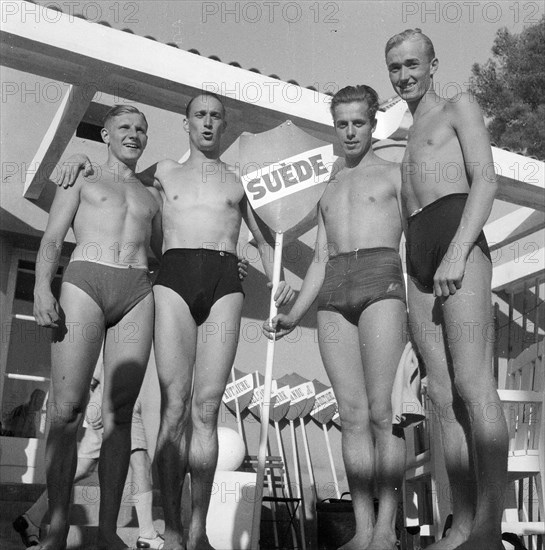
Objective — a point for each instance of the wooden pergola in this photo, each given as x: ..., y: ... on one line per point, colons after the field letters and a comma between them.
x: 94, y: 58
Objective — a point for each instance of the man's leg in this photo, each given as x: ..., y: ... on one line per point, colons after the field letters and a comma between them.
x: 426, y: 328
x: 216, y: 349
x: 141, y: 477
x: 470, y: 334
x: 74, y: 353
x: 381, y: 329
x: 340, y: 351
x: 126, y: 355
x: 175, y: 348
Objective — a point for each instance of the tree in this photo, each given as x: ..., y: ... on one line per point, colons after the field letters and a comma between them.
x: 510, y: 88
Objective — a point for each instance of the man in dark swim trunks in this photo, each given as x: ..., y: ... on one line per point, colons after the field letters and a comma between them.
x: 198, y: 305
x: 105, y: 292
x: 357, y: 276
x: 198, y: 298
x: 448, y: 189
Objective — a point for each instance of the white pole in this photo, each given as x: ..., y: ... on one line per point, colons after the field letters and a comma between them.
x: 297, y: 468
x: 332, y: 464
x: 237, y: 409
x: 309, y: 460
x: 266, y: 404
x: 283, y: 457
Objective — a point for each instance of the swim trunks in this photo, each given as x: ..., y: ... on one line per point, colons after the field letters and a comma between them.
x: 200, y: 277
x: 116, y: 290
x: 429, y: 234
x: 91, y: 442
x: 355, y: 280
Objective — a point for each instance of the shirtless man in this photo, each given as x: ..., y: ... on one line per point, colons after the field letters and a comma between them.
x: 198, y: 301
x: 448, y: 186
x: 356, y: 275
x: 106, y: 293
x: 198, y: 306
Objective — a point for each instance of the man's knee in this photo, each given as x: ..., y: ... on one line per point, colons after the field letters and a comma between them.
x: 65, y: 413
x: 205, y: 411
x: 440, y: 390
x: 354, y: 417
x: 380, y: 415
x: 175, y: 411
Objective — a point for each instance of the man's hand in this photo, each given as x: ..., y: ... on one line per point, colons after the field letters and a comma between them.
x: 242, y: 268
x: 284, y: 293
x: 449, y: 275
x: 279, y: 326
x: 67, y: 173
x: 46, y: 309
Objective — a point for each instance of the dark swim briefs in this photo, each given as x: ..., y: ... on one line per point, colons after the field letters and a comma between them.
x: 429, y: 234
x: 200, y: 277
x: 355, y: 280
x: 115, y: 290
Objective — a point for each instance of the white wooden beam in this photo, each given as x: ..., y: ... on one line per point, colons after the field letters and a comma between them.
x: 60, y: 132
x: 523, y: 267
x: 71, y: 42
x: 515, y: 225
x: 521, y: 179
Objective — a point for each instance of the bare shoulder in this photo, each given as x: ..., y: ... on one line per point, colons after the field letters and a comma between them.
x: 167, y: 165
x: 335, y: 177
x: 232, y: 173
x: 338, y: 166
x: 230, y: 169
x: 462, y: 109
x: 389, y: 171
x: 164, y: 173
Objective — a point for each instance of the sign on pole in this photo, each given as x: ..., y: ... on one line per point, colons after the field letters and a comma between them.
x: 284, y: 173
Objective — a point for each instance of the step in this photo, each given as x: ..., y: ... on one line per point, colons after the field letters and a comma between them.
x: 83, y: 537
x: 80, y: 537
x: 80, y: 514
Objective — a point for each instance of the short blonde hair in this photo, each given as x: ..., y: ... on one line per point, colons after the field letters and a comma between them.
x: 411, y: 34
x: 118, y: 110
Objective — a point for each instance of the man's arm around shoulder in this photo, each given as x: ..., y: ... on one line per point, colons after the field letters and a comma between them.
x: 154, y: 175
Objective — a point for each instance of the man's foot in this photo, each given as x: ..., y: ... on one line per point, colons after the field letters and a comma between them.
x: 30, y: 533
x: 49, y: 544
x: 173, y: 540
x: 450, y: 542
x: 358, y: 542
x: 199, y: 542
x: 110, y: 542
x: 383, y: 542
x: 481, y: 542
x: 156, y: 543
